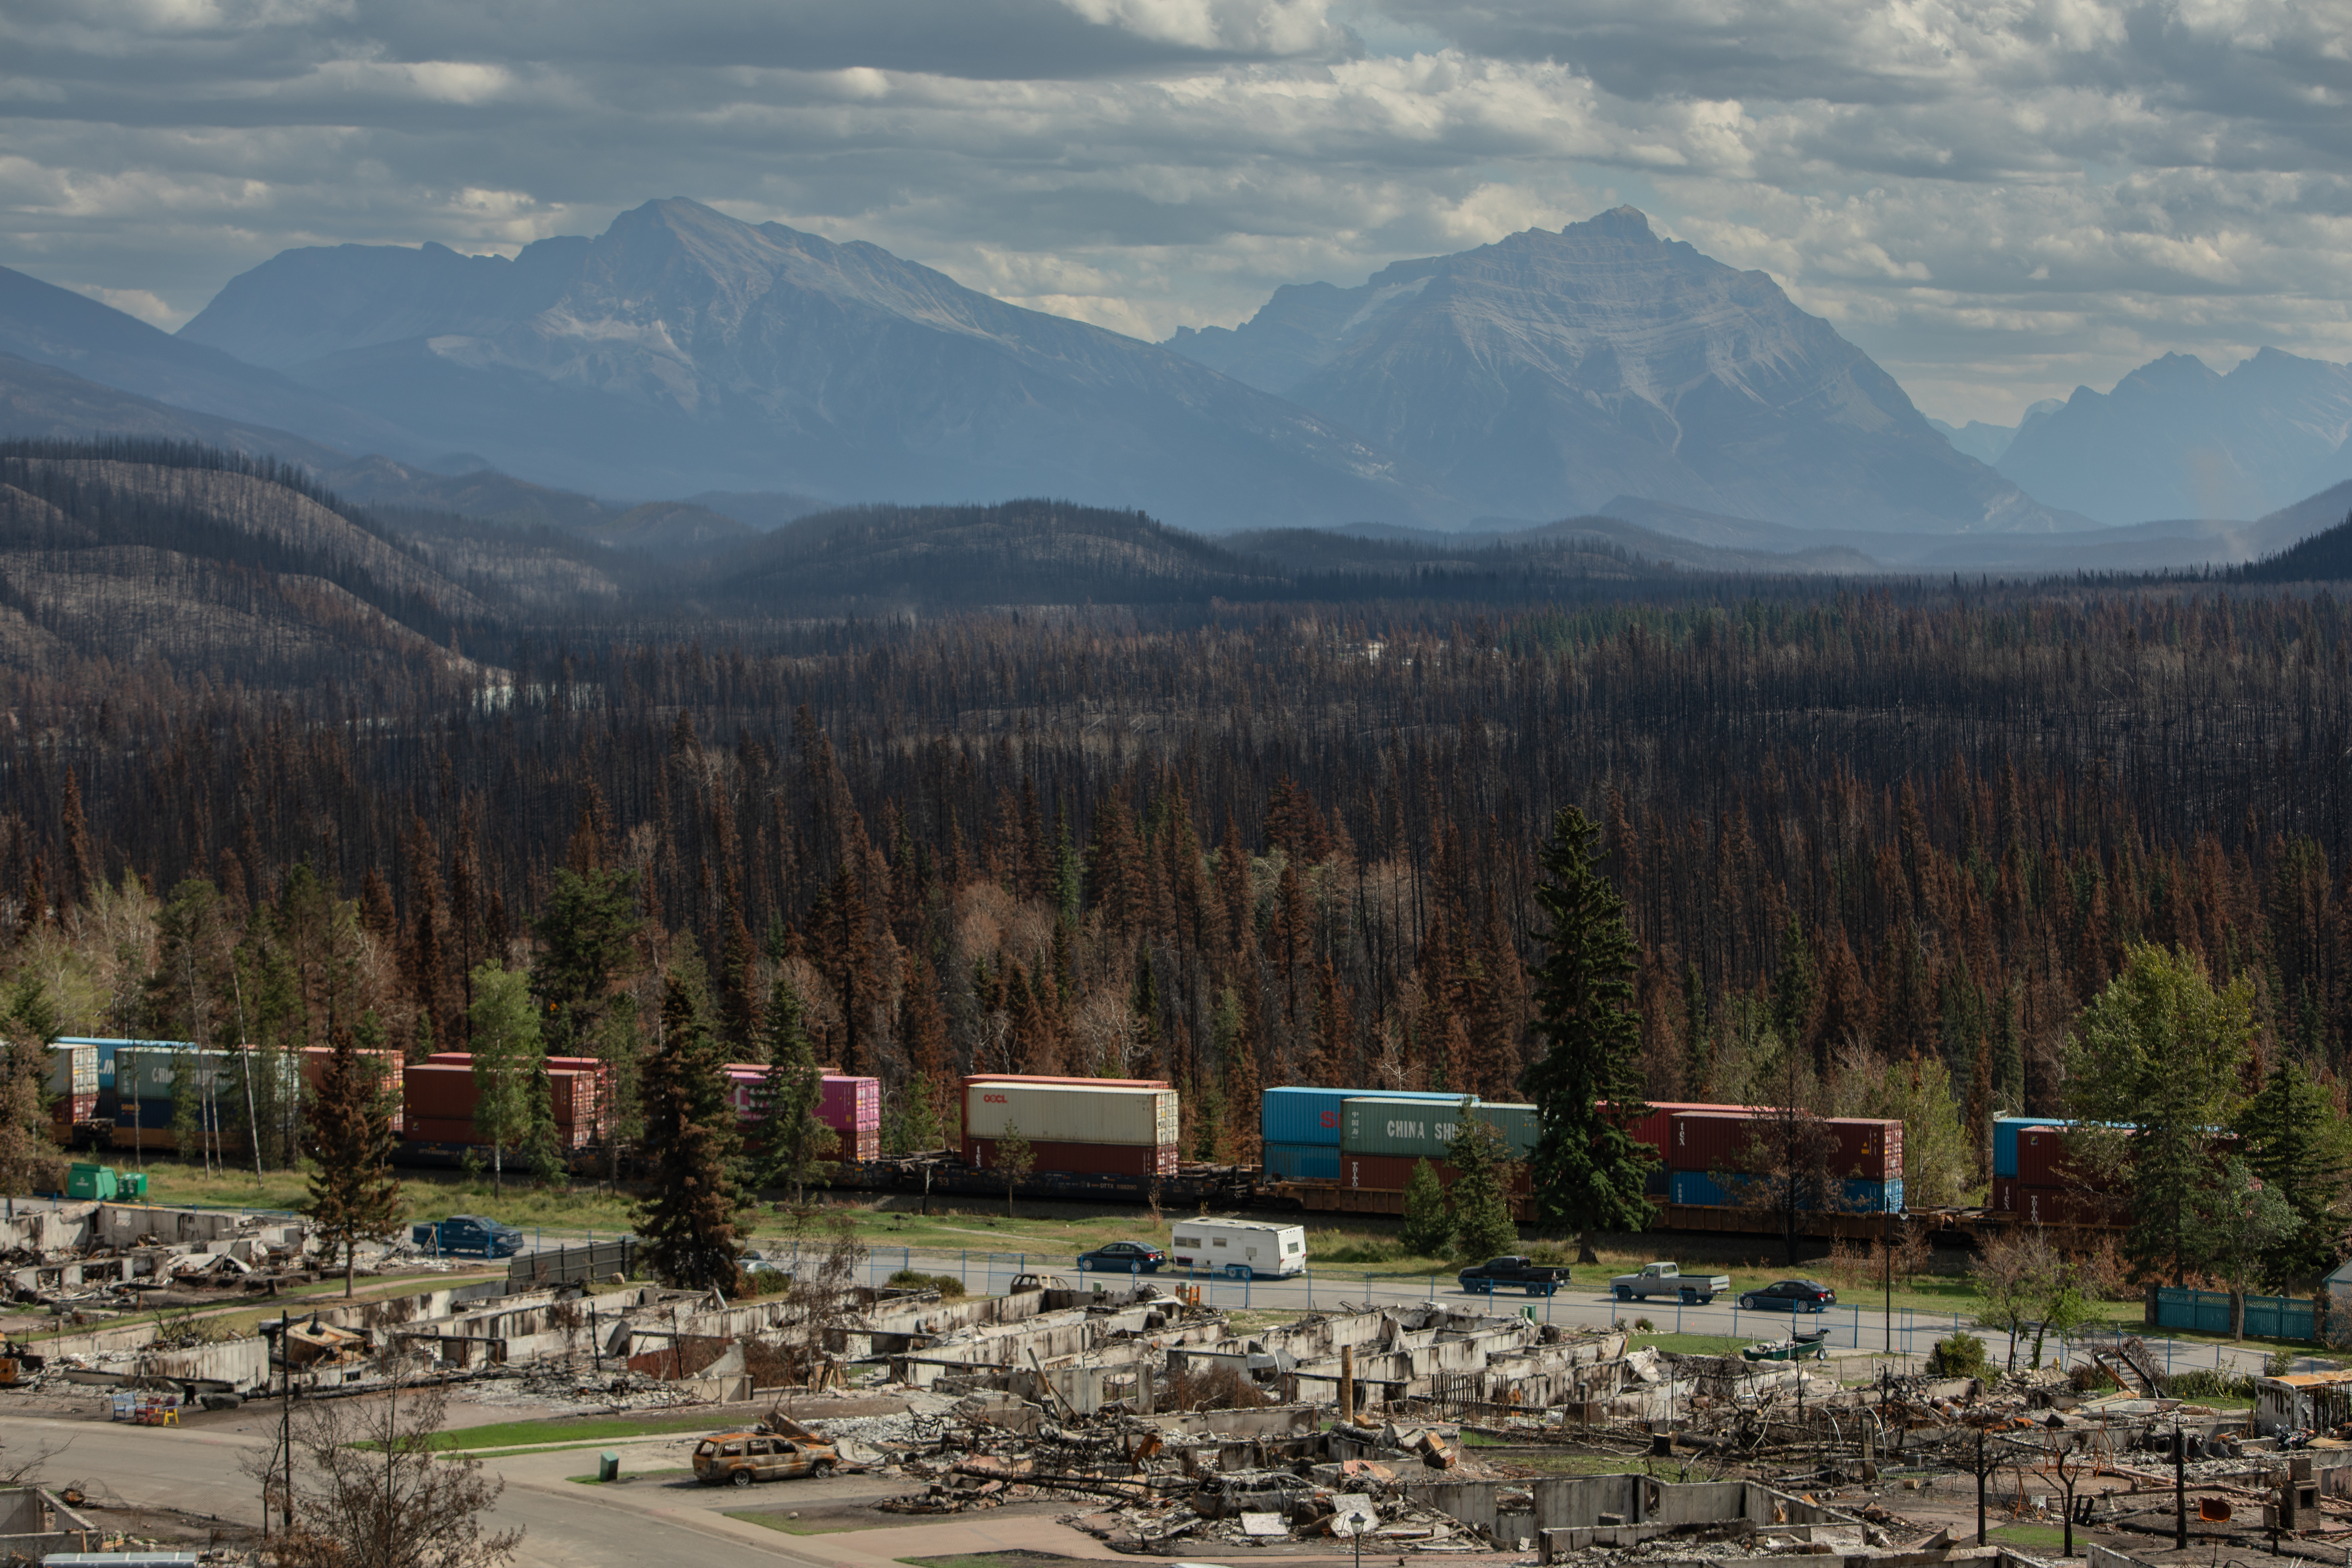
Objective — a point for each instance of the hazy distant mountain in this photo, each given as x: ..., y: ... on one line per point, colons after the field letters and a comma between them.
x: 57, y: 327
x: 682, y: 352
x: 43, y: 401
x: 2175, y: 439
x: 1986, y: 442
x: 1545, y: 373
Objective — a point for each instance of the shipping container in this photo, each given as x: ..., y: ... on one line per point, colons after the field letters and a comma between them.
x: 65, y: 1111
x: 1698, y: 1188
x: 73, y: 1072
x: 2005, y: 1130
x: 2052, y: 1157
x: 388, y: 1066
x: 152, y: 1072
x: 1864, y: 1195
x: 1068, y: 1113
x: 1390, y: 1173
x: 106, y: 1048
x: 973, y: 1078
x: 1303, y: 1117
x: 438, y: 1091
x: 2058, y: 1205
x: 1869, y: 1149
x: 1082, y: 1159
x: 1302, y: 1161
x: 1653, y: 1128
x: 849, y: 1104
x: 1384, y: 1124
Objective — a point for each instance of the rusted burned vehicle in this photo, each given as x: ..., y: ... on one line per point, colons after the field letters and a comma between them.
x: 739, y: 1459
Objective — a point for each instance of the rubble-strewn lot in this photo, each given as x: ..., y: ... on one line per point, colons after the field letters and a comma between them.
x: 1161, y: 1430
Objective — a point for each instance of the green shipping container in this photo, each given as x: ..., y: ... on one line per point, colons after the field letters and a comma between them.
x: 1419, y: 1128
x: 90, y: 1182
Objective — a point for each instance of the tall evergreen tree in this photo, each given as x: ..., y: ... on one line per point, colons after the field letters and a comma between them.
x: 1483, y: 1226
x: 1428, y: 1228
x: 688, y: 1218
x: 1589, y: 1171
x: 27, y: 1028
x: 793, y: 1144
x: 2159, y: 1047
x: 348, y: 1135
x: 2296, y: 1143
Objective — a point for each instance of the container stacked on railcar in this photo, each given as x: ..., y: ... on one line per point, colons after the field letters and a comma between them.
x: 1712, y: 1154
x: 1100, y: 1127
x: 850, y: 1106
x: 2040, y: 1178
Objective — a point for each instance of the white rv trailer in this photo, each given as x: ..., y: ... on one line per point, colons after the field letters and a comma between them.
x: 1238, y: 1248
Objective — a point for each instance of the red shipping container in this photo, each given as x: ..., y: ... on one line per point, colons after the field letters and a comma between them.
x: 2045, y: 1158
x: 440, y: 1130
x: 67, y: 1108
x: 1709, y: 1140
x: 1655, y: 1128
x: 1390, y: 1173
x: 861, y: 1143
x: 452, y: 1058
x: 1871, y: 1150
x: 437, y: 1089
x: 2058, y: 1205
x: 1083, y: 1159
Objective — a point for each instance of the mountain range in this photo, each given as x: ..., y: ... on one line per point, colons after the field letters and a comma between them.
x: 745, y: 375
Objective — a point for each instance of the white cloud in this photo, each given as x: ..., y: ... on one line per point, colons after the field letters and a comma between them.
x: 1997, y: 199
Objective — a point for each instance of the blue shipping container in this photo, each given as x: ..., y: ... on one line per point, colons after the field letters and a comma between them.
x: 1302, y: 1162
x: 1299, y: 1117
x: 1860, y: 1196
x: 2005, y: 1130
x: 1697, y: 1187
x: 1874, y: 1197
x: 106, y: 1049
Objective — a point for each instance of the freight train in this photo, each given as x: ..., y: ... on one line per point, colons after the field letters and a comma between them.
x: 1324, y: 1149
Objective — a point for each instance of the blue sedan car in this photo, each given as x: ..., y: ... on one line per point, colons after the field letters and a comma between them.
x: 1790, y: 1296
x: 1122, y: 1258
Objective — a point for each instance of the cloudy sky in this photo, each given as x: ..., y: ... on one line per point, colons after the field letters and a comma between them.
x: 1997, y: 199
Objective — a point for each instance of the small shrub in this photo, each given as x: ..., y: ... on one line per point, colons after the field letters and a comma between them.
x: 1644, y: 1326
x: 947, y: 1285
x: 2278, y: 1364
x: 1222, y: 1387
x: 1959, y: 1355
x: 909, y: 1279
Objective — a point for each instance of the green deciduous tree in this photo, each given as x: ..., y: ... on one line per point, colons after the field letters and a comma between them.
x: 1428, y: 1229
x: 1589, y: 1171
x: 1483, y: 1226
x: 509, y: 1065
x: 1014, y: 1160
x: 28, y: 1026
x: 347, y: 1125
x: 2160, y: 1048
x: 687, y: 1219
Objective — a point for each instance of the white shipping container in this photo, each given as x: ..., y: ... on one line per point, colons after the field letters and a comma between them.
x: 1238, y: 1248
x: 73, y: 1071
x: 1070, y: 1113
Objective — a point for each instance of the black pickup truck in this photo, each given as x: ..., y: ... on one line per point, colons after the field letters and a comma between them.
x: 1512, y: 1273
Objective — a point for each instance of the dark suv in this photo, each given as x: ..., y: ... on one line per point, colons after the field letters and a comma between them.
x: 1790, y: 1296
x: 468, y: 1236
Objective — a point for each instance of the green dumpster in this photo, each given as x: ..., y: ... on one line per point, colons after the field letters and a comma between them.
x: 131, y: 1184
x: 90, y: 1181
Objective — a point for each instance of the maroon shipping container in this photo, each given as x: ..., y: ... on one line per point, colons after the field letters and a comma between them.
x: 437, y: 1091
x: 1866, y: 1149
x: 2057, y: 1205
x: 850, y: 1104
x: 1083, y: 1159
x: 862, y: 1143
x: 1709, y: 1140
x: 2045, y: 1158
x: 452, y: 1129
x: 1390, y: 1173
x: 1870, y: 1150
x: 1655, y: 1128
x: 68, y: 1109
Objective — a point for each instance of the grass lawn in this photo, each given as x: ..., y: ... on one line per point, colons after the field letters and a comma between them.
x: 790, y: 1523
x: 2038, y: 1535
x: 585, y: 1430
x: 665, y: 1475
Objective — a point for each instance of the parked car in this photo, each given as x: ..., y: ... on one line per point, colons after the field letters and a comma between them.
x: 1512, y: 1273
x: 1668, y: 1279
x: 1122, y: 1258
x: 1790, y: 1296
x: 468, y: 1236
x: 740, y: 1458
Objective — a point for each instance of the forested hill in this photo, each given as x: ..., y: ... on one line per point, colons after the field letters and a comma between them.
x: 2324, y: 557
x: 129, y: 550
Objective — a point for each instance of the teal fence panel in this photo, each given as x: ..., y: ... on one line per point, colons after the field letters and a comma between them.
x: 2208, y: 1312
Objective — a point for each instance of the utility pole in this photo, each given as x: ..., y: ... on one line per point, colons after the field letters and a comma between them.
x: 285, y: 1422
x: 2179, y: 1487
x: 1887, y: 1271
x: 1980, y: 1486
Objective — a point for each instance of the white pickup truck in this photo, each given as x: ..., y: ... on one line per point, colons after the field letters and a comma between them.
x: 1668, y: 1279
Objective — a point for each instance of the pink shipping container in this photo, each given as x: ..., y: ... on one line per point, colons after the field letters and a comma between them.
x: 1082, y: 1159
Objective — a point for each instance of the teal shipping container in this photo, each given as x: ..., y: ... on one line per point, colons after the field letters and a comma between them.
x: 1302, y: 1161
x: 1299, y: 1116
x: 1412, y: 1128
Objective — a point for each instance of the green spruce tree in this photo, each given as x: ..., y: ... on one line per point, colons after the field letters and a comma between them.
x: 792, y: 1146
x: 349, y: 1137
x: 2296, y: 1143
x: 1483, y: 1226
x: 1589, y: 1171
x: 1428, y: 1229
x: 687, y: 1219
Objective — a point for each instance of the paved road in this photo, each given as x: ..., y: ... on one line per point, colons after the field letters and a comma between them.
x: 1861, y: 1325
x: 565, y: 1525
